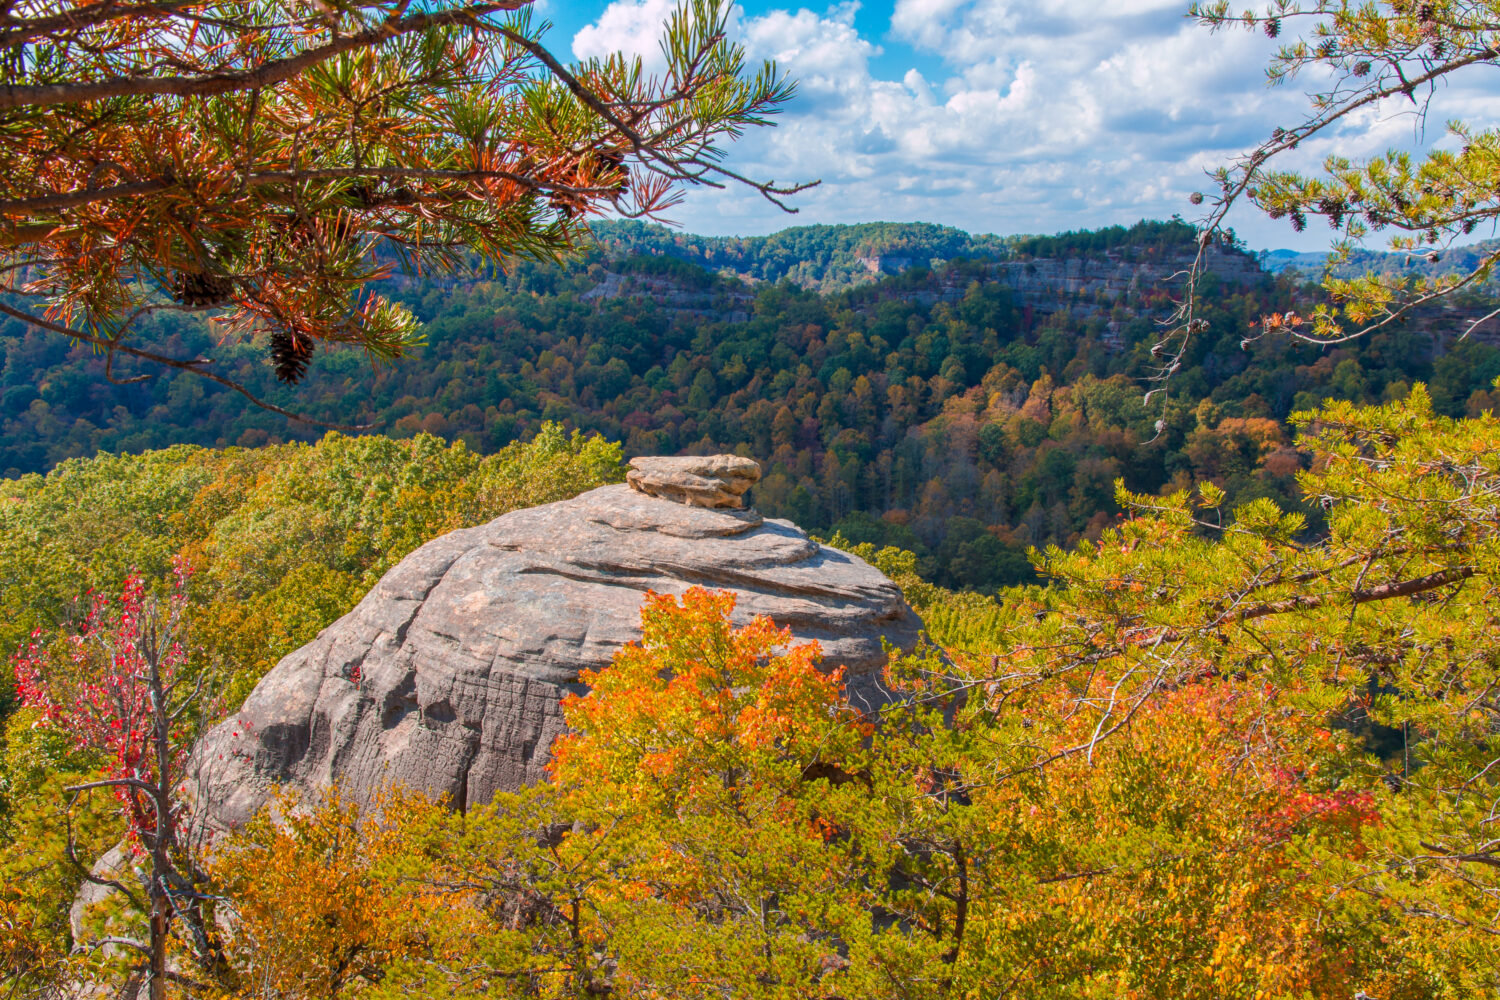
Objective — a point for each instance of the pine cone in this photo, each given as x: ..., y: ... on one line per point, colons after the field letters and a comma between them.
x: 200, y: 288
x: 290, y: 355
x: 613, y: 162
x: 567, y: 203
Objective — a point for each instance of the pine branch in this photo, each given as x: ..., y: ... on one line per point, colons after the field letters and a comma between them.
x: 276, y: 71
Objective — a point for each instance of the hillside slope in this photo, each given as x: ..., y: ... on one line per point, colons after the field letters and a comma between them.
x: 964, y: 412
x: 1456, y: 260
x: 825, y: 258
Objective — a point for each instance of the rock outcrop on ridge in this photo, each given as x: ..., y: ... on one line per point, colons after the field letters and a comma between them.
x: 448, y: 675
x: 712, y: 481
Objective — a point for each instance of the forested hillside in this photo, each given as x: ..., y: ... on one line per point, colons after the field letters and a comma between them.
x: 1135, y: 634
x: 1202, y: 763
x: 1455, y: 261
x: 963, y: 412
x: 1119, y: 782
x: 282, y: 539
x: 823, y: 258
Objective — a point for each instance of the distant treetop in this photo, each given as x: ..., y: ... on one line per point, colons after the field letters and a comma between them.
x: 823, y: 257
x: 1171, y: 235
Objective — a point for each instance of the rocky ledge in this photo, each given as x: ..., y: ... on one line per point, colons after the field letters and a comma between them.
x: 710, y: 481
x: 448, y: 675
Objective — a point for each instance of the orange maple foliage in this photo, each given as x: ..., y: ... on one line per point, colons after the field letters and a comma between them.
x: 695, y: 692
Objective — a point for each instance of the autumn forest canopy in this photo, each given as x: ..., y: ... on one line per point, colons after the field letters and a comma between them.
x: 1205, y: 548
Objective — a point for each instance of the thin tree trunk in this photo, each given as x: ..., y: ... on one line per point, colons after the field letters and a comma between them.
x: 158, y: 974
x: 161, y: 841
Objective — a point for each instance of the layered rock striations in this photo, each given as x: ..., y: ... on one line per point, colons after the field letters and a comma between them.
x: 713, y: 481
x: 447, y: 676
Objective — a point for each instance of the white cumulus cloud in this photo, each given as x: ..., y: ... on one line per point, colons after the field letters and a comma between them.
x: 1010, y: 115
x: 630, y: 26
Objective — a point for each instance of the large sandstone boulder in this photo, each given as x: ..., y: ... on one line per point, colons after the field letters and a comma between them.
x: 447, y: 676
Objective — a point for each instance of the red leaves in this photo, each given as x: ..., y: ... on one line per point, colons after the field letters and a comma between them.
x: 97, y: 685
x: 1329, y: 812
x: 1302, y: 810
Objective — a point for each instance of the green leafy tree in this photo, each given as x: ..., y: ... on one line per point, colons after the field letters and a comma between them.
x: 1366, y: 650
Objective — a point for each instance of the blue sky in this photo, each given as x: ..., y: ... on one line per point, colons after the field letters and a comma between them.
x: 1004, y: 116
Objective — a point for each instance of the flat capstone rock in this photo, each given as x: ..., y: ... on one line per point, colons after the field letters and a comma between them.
x: 707, y: 481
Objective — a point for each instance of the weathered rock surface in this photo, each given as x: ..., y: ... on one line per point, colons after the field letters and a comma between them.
x: 710, y: 481
x: 447, y: 676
